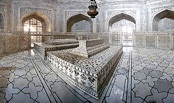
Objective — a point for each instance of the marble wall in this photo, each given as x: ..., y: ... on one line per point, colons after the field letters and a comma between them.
x: 5, y: 15
x: 13, y: 42
x: 145, y: 15
x: 57, y: 12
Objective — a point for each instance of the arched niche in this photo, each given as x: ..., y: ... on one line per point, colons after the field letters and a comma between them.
x: 80, y: 23
x: 166, y: 14
x: 121, y: 17
x: 36, y: 23
x: 46, y: 23
x: 121, y: 27
x: 1, y: 22
x: 127, y: 19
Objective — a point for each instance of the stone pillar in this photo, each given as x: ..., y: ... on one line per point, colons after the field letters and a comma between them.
x: 94, y: 29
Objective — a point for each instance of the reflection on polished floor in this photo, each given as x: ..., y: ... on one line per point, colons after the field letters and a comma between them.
x: 142, y: 76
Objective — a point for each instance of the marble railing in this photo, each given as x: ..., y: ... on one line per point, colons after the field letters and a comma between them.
x: 11, y: 42
x: 160, y: 40
x: 14, y: 41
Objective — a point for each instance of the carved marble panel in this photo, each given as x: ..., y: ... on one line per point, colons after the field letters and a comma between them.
x: 139, y: 40
x: 11, y: 43
x: 24, y: 40
x: 150, y: 41
x: 157, y: 10
x: 27, y: 10
x: 69, y: 14
x: 164, y: 41
x: 90, y: 74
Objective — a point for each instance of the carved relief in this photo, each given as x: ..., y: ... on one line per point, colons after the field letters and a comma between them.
x: 69, y: 14
x: 89, y: 74
x: 164, y: 41
x: 24, y: 42
x: 11, y: 43
x: 150, y: 41
x: 112, y: 2
x: 46, y: 12
x: 157, y: 10
x: 71, y: 4
x: 139, y: 40
x: 111, y: 14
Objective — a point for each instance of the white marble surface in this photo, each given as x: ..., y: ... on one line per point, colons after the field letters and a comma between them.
x: 30, y: 80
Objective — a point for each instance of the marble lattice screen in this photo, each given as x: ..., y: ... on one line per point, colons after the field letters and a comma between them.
x: 159, y: 40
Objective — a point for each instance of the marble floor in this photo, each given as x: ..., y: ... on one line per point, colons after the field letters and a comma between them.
x: 142, y: 76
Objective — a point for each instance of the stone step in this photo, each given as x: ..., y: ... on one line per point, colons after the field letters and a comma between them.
x: 96, y: 50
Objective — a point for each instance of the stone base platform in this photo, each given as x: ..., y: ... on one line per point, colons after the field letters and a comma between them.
x: 91, y: 75
x: 43, y: 48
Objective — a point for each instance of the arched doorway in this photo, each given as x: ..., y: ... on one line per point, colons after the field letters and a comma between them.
x: 79, y: 23
x: 122, y: 25
x: 36, y: 23
x: 163, y: 21
x: 1, y: 22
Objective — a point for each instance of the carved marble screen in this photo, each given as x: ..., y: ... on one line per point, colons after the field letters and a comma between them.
x: 12, y: 43
x: 164, y: 41
x: 150, y: 41
x: 24, y: 41
x: 139, y: 39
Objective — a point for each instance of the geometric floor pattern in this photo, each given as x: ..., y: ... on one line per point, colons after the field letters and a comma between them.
x: 142, y: 76
x: 152, y: 76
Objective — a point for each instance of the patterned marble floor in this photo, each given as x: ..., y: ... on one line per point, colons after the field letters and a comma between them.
x: 142, y: 76
x: 152, y: 76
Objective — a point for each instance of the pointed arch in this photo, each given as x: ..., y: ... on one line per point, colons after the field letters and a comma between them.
x: 39, y: 16
x: 121, y: 16
x: 77, y: 18
x: 122, y: 24
x: 164, y: 14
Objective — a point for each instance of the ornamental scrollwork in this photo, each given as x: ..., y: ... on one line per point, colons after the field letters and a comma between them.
x: 46, y: 12
x: 157, y: 10
x: 69, y: 14
x: 111, y: 14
